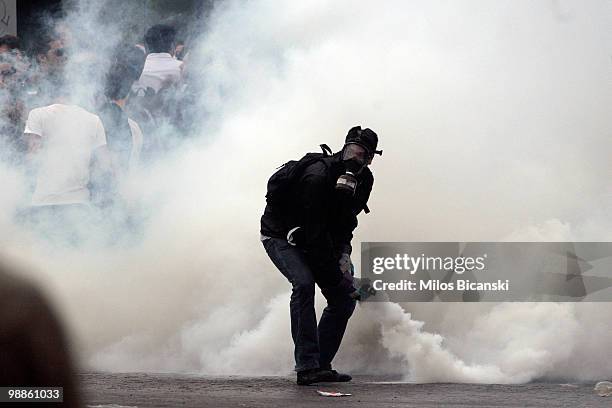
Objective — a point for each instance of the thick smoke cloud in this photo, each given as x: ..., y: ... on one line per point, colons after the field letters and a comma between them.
x: 494, y: 121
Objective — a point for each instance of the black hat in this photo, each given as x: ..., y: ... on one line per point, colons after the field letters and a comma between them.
x: 365, y: 138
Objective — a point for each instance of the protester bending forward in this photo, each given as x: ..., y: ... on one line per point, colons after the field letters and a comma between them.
x: 306, y: 229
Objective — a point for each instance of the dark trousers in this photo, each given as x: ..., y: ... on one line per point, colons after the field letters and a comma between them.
x: 314, y: 346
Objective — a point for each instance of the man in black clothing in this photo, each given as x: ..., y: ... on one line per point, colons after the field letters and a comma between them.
x: 308, y: 238
x: 126, y: 68
x: 124, y: 140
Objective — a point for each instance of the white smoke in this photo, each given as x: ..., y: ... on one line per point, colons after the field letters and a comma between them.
x: 495, y: 125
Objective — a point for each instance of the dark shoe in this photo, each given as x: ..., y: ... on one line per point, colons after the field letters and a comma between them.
x: 338, y: 377
x: 314, y: 375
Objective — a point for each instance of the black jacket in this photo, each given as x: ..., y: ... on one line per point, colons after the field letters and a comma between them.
x: 118, y: 132
x: 326, y: 216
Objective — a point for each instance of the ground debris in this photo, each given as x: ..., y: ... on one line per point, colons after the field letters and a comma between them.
x: 332, y: 394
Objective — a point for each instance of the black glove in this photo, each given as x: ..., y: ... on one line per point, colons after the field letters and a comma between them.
x: 346, y: 284
x: 364, y: 289
x: 345, y: 263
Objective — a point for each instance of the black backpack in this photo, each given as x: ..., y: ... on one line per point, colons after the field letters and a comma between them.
x: 281, y: 182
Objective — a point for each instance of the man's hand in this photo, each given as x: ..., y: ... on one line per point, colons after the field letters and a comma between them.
x: 364, y: 289
x: 345, y: 263
x: 347, y: 283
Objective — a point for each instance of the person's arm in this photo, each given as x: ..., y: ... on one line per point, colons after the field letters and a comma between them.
x: 33, y: 143
x: 103, y: 177
x: 33, y: 133
x: 315, y: 197
x: 342, y: 231
x: 344, y: 225
x: 103, y: 181
x: 101, y: 160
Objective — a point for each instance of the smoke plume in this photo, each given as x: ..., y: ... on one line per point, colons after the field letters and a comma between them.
x: 494, y: 120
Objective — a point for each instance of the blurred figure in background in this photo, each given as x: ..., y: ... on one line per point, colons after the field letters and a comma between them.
x: 9, y: 43
x: 124, y: 137
x: 13, y: 78
x: 66, y: 151
x: 50, y: 58
x: 34, y: 351
x: 50, y: 54
x: 155, y: 95
x: 124, y: 140
x: 161, y: 68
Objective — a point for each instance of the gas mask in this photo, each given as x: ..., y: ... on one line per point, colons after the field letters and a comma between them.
x: 358, y: 151
x: 347, y: 182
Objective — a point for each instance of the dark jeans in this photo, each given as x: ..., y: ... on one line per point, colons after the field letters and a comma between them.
x: 314, y: 347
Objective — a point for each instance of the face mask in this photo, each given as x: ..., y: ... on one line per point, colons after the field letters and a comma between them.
x: 348, y: 181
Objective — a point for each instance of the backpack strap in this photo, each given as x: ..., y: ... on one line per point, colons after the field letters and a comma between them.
x: 327, y: 151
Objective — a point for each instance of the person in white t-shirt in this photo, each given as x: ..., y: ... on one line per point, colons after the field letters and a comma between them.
x: 161, y: 68
x: 66, y: 149
x: 62, y: 142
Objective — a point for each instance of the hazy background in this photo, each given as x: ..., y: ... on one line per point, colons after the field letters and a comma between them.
x: 494, y: 117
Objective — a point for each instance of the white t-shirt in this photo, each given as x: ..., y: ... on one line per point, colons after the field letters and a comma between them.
x: 69, y: 136
x: 159, y: 70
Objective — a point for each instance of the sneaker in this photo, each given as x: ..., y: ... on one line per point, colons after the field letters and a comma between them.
x: 314, y: 375
x: 338, y: 377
